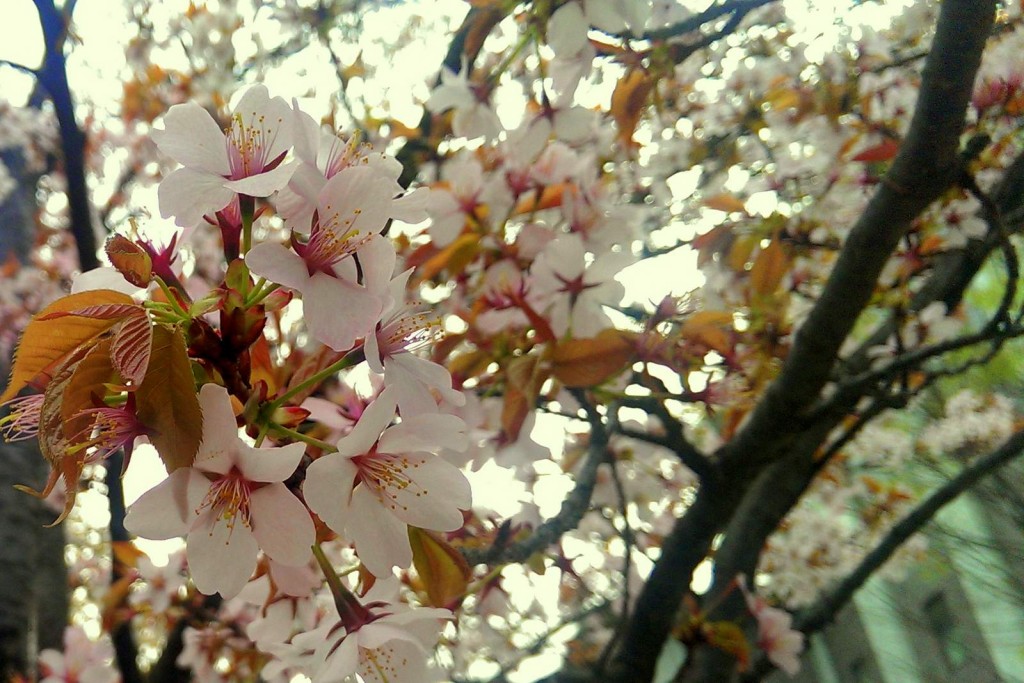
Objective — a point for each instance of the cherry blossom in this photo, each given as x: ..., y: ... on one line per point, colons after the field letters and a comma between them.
x: 473, y: 116
x: 83, y: 660
x: 245, y: 159
x: 389, y: 352
x: 230, y: 504
x: 352, y: 208
x: 572, y: 292
x: 574, y: 55
x: 107, y: 429
x: 158, y: 586
x: 281, y: 611
x: 379, y: 641
x: 22, y: 419
x: 775, y: 634
x: 469, y: 195
x: 321, y: 155
x: 384, y: 477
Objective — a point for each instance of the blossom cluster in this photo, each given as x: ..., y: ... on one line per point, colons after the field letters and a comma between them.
x: 244, y: 501
x: 321, y: 427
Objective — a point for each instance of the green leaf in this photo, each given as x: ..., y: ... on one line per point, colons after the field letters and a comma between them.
x: 166, y: 400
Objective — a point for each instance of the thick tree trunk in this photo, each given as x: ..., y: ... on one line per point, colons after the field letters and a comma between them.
x: 33, y: 577
x: 33, y: 592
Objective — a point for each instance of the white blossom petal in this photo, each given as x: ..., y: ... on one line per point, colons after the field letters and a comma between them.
x: 279, y: 264
x: 218, y: 449
x: 188, y: 195
x: 221, y: 554
x: 337, y: 311
x: 191, y: 137
x: 381, y: 539
x: 168, y: 510
x: 282, y: 525
x: 328, y: 489
x: 269, y: 464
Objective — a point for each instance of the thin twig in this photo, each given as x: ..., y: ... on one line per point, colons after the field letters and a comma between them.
x: 573, y: 507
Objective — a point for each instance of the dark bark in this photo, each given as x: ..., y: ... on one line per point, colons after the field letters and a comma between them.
x: 126, y: 651
x: 26, y: 564
x: 53, y: 76
x: 33, y: 577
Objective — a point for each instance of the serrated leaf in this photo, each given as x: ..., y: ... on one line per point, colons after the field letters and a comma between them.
x: 101, y: 312
x: 126, y: 553
x: 114, y: 610
x: 53, y: 442
x: 166, y: 400
x: 46, y: 342
x: 728, y: 637
x: 725, y: 202
x: 310, y: 365
x: 131, y: 348
x: 713, y: 329
x: 588, y: 362
x: 740, y: 252
x: 550, y: 197
x: 453, y: 258
x: 442, y: 569
x: 263, y: 368
x: 88, y: 380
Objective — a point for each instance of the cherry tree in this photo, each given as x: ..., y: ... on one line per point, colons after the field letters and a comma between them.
x: 415, y: 423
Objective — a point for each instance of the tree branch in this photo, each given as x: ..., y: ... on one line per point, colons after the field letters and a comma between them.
x: 926, y: 165
x: 736, y: 7
x: 125, y: 650
x: 818, y: 615
x: 53, y: 76
x: 573, y: 507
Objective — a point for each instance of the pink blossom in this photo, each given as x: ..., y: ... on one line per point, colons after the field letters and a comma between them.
x: 83, y: 661
x: 574, y: 55
x: 470, y: 195
x: 775, y: 634
x: 230, y: 504
x: 388, y: 645
x: 217, y: 165
x: 473, y: 116
x: 572, y: 293
x: 158, y: 586
x: 352, y: 208
x: 281, y: 612
x: 384, y: 477
x: 389, y: 352
x: 22, y: 419
x: 321, y: 155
